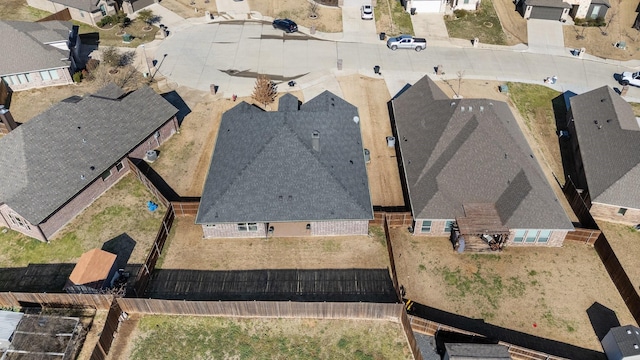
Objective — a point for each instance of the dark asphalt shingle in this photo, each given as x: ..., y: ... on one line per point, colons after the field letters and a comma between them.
x: 265, y: 168
x: 610, y: 148
x: 462, y: 151
x: 42, y: 162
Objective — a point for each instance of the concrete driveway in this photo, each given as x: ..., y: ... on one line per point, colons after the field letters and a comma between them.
x: 354, y: 29
x: 546, y: 37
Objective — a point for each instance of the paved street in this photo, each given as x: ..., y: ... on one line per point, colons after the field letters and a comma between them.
x: 229, y: 54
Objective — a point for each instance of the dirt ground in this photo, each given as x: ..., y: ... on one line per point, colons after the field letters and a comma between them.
x: 370, y: 96
x: 620, y: 19
x: 625, y: 241
x: 540, y: 291
x: 188, y: 250
x: 93, y: 334
x: 19, y: 10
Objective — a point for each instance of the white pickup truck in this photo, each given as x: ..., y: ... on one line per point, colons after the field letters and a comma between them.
x: 407, y: 42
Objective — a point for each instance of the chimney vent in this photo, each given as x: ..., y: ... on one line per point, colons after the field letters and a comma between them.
x: 315, y: 140
x: 356, y: 119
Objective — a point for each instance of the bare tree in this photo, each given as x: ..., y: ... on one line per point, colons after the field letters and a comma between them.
x: 265, y: 91
x: 127, y: 77
x: 147, y: 17
x: 313, y: 9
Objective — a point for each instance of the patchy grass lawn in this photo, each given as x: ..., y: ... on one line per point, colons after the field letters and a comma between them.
x: 329, y: 18
x: 120, y: 210
x: 517, y: 288
x: 109, y: 37
x: 225, y: 338
x: 392, y: 19
x: 19, y: 10
x: 483, y: 24
x: 534, y: 102
x: 636, y: 108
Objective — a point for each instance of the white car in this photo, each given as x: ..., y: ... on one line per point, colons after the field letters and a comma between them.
x: 629, y: 78
x: 366, y: 12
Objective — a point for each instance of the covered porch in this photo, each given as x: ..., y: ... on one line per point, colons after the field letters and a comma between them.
x: 480, y: 230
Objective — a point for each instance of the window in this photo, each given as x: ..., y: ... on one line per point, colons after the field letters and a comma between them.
x: 103, y: 10
x: 106, y: 174
x: 18, y: 221
x: 531, y: 236
x: 448, y: 225
x: 7, y: 79
x: 54, y: 74
x: 519, y: 236
x: 426, y: 226
x: 45, y: 75
x: 466, y: 1
x: 622, y: 211
x: 22, y: 79
x: 247, y: 226
x: 14, y: 80
x: 544, y: 236
x: 210, y: 225
x: 119, y: 166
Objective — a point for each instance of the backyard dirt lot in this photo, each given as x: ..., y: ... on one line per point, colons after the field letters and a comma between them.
x: 188, y: 250
x: 370, y: 96
x: 625, y: 242
x: 539, y: 291
x: 230, y: 338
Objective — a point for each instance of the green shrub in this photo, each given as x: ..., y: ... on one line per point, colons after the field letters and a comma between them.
x: 106, y: 20
x: 460, y: 14
x: 77, y: 77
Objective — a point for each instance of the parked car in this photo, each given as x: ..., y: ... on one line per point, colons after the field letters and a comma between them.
x: 629, y: 78
x: 366, y: 12
x: 286, y: 25
x: 407, y: 42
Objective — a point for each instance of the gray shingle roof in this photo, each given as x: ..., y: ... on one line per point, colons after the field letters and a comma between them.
x: 42, y: 161
x: 265, y: 167
x: 458, y: 152
x: 610, y: 149
x: 86, y: 5
x: 627, y: 338
x: 25, y: 49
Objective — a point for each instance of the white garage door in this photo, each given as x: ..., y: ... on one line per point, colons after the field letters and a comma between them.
x: 429, y: 6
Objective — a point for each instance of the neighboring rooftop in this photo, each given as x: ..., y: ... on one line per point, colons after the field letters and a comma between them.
x: 471, y: 151
x: 9, y: 321
x: 29, y: 49
x: 609, y: 138
x: 86, y: 5
x: 627, y: 339
x: 49, y: 159
x: 301, y: 163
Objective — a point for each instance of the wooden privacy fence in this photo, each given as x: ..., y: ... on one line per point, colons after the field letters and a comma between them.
x: 587, y: 236
x: 430, y: 328
x: 148, y: 184
x: 95, y: 301
x: 580, y: 204
x: 62, y: 15
x: 394, y: 219
x: 392, y: 262
x: 144, y: 275
x: 183, y: 208
x: 109, y: 331
x: 411, y: 338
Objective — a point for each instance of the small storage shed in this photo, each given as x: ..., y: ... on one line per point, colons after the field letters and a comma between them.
x: 622, y: 343
x: 8, y: 323
x: 95, y: 270
x: 460, y: 351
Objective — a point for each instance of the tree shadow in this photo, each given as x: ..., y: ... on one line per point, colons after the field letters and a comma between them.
x: 602, y: 319
x: 176, y: 100
x: 121, y: 245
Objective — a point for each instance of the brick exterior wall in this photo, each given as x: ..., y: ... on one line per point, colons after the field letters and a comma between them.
x: 556, y: 239
x: 81, y: 201
x: 318, y: 228
x: 330, y: 228
x: 610, y: 213
x: 150, y: 143
x: 76, y: 14
x: 231, y: 231
x: 33, y: 231
x: 64, y: 79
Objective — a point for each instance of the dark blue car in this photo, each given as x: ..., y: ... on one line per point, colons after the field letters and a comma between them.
x: 286, y: 25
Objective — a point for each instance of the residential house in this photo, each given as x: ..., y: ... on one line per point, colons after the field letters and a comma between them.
x: 622, y: 343
x: 563, y: 10
x: 38, y: 54
x: 95, y: 270
x: 86, y: 11
x: 56, y: 164
x: 605, y: 137
x: 293, y: 172
x: 469, y: 171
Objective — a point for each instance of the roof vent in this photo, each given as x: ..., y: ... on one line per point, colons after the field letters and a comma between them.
x: 603, y: 100
x: 470, y: 108
x: 453, y: 103
x: 608, y: 120
x: 595, y: 122
x: 461, y: 108
x: 356, y: 119
x: 481, y: 108
x: 635, y: 346
x: 315, y: 140
x: 92, y: 168
x: 629, y: 331
x: 84, y: 141
x: 82, y: 177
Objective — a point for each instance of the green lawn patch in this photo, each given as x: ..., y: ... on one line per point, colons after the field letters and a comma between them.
x: 108, y: 36
x: 392, y: 18
x: 636, y: 108
x: 534, y: 103
x: 228, y: 338
x: 483, y: 24
x: 120, y: 210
